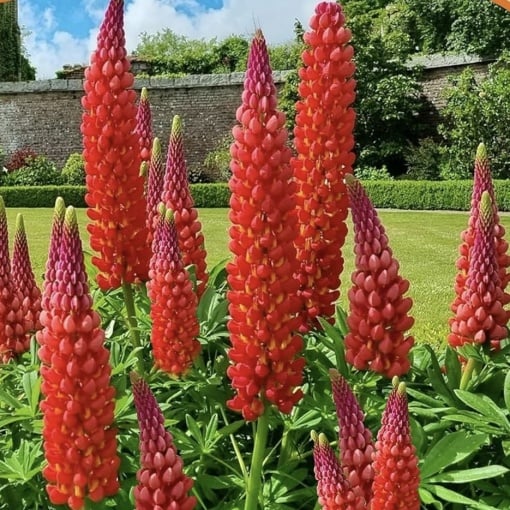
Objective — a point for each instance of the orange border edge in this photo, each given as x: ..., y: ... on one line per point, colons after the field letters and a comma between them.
x: 503, y: 3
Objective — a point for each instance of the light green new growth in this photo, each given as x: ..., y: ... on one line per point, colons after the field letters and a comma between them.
x: 144, y: 95
x: 481, y: 152
x: 176, y: 127
x: 144, y: 168
x: 486, y: 209
x: 20, y: 225
x: 156, y: 148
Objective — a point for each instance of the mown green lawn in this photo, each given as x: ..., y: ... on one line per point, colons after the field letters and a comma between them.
x: 425, y: 243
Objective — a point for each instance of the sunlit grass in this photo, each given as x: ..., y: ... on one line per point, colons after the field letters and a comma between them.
x: 425, y: 244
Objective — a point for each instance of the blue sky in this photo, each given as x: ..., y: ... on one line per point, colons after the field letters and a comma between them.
x: 59, y: 32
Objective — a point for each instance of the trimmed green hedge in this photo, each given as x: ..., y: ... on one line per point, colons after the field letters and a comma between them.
x: 417, y: 195
x: 431, y: 195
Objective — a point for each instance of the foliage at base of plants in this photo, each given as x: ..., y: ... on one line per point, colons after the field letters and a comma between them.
x: 461, y: 436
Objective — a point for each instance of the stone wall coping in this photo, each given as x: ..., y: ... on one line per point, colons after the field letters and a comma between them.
x: 190, y: 81
x: 439, y: 60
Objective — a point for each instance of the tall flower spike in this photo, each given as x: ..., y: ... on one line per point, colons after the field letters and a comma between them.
x: 14, y: 340
x: 333, y: 489
x: 50, y: 272
x: 263, y: 303
x: 78, y: 435
x: 378, y: 313
x: 173, y: 302
x: 24, y: 279
x: 161, y: 480
x: 356, y: 446
x: 177, y: 196
x: 115, y: 189
x: 395, y: 464
x: 156, y: 177
x: 482, y: 182
x: 481, y: 317
x: 324, y: 143
x: 144, y: 125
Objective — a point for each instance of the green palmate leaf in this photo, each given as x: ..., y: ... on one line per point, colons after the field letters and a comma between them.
x: 455, y: 497
x: 338, y: 341
x: 449, y: 450
x: 469, y: 475
x: 32, y: 387
x: 485, y: 406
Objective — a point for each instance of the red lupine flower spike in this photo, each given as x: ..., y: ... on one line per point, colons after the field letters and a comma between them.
x: 395, y: 464
x: 378, y: 313
x: 356, y: 444
x: 266, y: 366
x: 333, y: 489
x: 14, y: 339
x: 177, y: 197
x: 481, y: 317
x: 162, y: 483
x: 175, y: 326
x: 482, y: 182
x: 78, y: 435
x: 155, y: 178
x: 324, y: 143
x: 115, y: 190
x: 144, y: 125
x: 24, y: 279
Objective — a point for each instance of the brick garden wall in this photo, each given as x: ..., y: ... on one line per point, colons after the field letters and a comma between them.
x: 46, y: 115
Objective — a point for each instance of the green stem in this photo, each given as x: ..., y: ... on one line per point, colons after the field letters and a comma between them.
x: 237, y: 450
x: 285, y: 447
x: 129, y: 301
x: 467, y: 374
x: 259, y: 448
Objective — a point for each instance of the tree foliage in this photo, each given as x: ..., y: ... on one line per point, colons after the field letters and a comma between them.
x: 477, y: 112
x: 10, y: 47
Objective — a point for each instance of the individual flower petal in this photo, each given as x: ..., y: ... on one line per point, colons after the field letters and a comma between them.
x: 78, y: 407
x: 162, y: 483
x: 266, y: 366
x: 378, y: 311
x: 324, y: 141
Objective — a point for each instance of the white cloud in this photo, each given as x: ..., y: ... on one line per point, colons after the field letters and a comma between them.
x: 49, y: 47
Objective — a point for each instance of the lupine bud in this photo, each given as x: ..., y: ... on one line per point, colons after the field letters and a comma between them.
x: 115, y: 190
x: 177, y: 197
x: 378, y: 313
x: 24, y: 279
x: 162, y: 484
x: 324, y: 143
x: 144, y: 126
x: 262, y: 297
x: 333, y: 489
x: 173, y: 302
x: 480, y: 317
x: 156, y: 177
x: 14, y: 339
x: 395, y: 464
x: 355, y: 443
x: 78, y: 436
